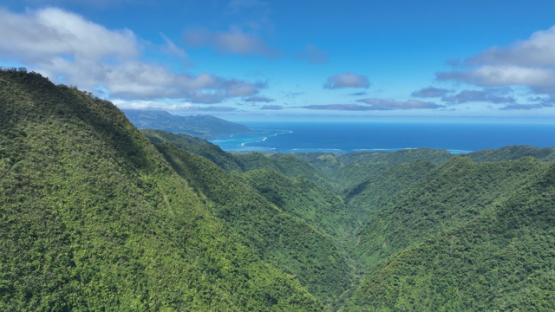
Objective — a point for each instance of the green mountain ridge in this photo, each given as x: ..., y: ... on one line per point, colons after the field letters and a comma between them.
x: 94, y: 217
x: 97, y: 215
x: 502, y: 261
x: 304, y: 199
x: 287, y: 164
x: 285, y: 241
x: 366, y: 198
x: 203, y: 126
x: 452, y: 194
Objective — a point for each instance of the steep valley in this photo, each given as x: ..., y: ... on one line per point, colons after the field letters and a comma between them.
x: 98, y: 215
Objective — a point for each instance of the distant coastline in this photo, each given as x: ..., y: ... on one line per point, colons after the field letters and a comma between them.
x: 303, y: 137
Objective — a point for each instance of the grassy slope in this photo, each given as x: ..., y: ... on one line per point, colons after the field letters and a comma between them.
x: 93, y: 217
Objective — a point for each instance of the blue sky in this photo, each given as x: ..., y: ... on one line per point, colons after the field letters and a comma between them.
x: 290, y: 60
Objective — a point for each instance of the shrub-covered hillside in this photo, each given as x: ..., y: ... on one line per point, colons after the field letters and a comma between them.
x: 98, y: 216
x: 501, y: 261
x: 93, y: 217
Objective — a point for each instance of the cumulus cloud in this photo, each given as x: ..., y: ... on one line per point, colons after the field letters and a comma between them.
x: 488, y: 95
x: 42, y: 35
x: 378, y: 104
x: 258, y: 99
x: 156, y: 105
x: 234, y: 41
x: 152, y: 105
x: 346, y: 107
x: 390, y: 104
x: 503, y: 75
x: 347, y: 80
x: 529, y: 63
x: 313, y: 55
x: 272, y: 107
x: 538, y: 50
x: 65, y: 46
x: 216, y: 109
x: 430, y: 92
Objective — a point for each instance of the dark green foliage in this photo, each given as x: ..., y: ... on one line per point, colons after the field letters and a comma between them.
x: 287, y: 164
x: 349, y: 170
x: 451, y: 195
x: 92, y: 218
x: 202, y: 126
x: 512, y: 153
x: 367, y: 198
x: 402, y: 156
x: 278, y: 238
x: 305, y: 200
x: 327, y: 163
x: 503, y: 261
x: 196, y: 146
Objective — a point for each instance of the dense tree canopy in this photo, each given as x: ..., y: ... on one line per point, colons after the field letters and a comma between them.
x: 96, y: 215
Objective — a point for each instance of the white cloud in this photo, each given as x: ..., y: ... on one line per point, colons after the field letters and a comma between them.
x: 72, y: 50
x: 493, y: 95
x: 347, y: 80
x: 234, y: 41
x: 504, y: 75
x: 391, y: 104
x: 374, y: 104
x: 258, y: 99
x: 538, y: 50
x: 430, y: 92
x: 40, y: 35
x: 153, y: 105
x: 529, y: 63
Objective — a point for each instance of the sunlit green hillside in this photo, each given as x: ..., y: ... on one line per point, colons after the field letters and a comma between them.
x: 93, y: 217
x: 96, y: 215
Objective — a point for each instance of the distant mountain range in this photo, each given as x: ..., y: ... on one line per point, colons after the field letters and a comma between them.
x: 202, y: 126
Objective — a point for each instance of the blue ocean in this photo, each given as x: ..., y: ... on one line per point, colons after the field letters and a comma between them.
x: 340, y: 137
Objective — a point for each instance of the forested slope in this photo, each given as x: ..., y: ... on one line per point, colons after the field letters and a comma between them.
x: 94, y: 218
x: 305, y: 200
x: 95, y: 215
x: 196, y: 146
x: 512, y: 153
x: 502, y: 261
x: 351, y: 169
x: 367, y: 198
x: 288, y: 242
x: 286, y: 164
x: 451, y: 195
